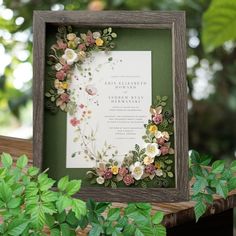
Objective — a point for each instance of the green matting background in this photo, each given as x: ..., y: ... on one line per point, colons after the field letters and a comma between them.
x: 156, y: 40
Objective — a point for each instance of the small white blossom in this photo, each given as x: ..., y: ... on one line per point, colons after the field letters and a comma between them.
x: 137, y: 170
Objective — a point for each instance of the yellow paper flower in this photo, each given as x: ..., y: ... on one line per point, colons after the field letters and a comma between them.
x: 71, y: 36
x: 65, y: 85
x: 158, y: 165
x: 114, y: 170
x: 153, y: 129
x: 99, y: 42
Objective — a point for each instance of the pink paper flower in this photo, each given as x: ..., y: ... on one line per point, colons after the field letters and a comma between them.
x: 61, y: 45
x: 107, y: 174
x: 150, y: 169
x: 164, y: 150
x: 74, y: 122
x: 65, y: 68
x: 82, y: 47
x: 60, y: 75
x: 157, y: 119
x: 128, y: 180
x: 65, y: 97
x: 123, y: 171
x: 160, y: 141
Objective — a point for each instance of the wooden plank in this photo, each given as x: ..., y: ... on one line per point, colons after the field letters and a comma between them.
x: 15, y: 146
x: 175, y: 213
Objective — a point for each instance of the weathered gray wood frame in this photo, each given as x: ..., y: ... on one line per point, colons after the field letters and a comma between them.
x: 175, y: 21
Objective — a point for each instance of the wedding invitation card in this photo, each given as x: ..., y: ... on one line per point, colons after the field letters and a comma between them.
x: 111, y: 94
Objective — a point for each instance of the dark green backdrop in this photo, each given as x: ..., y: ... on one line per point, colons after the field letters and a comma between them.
x: 156, y: 40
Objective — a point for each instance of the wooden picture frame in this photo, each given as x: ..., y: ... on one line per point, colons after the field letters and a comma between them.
x: 172, y: 21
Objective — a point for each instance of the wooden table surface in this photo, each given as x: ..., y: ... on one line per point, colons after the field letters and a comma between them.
x: 175, y: 213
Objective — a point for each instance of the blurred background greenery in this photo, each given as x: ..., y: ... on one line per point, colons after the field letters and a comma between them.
x: 211, y: 65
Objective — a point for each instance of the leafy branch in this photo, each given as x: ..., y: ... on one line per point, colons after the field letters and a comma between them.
x: 212, y: 179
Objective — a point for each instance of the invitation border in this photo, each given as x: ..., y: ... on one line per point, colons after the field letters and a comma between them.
x: 175, y: 21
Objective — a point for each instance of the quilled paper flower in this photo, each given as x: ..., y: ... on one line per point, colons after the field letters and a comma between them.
x: 100, y: 180
x: 148, y: 160
x: 99, y: 42
x: 153, y: 129
x: 152, y: 150
x: 128, y: 180
x: 115, y: 170
x: 137, y: 170
x: 70, y: 56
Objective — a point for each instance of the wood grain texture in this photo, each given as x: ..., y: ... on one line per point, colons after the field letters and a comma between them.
x: 15, y: 146
x: 123, y: 19
x: 175, y: 213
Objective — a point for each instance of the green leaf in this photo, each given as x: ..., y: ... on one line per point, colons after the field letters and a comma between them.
x: 157, y: 218
x: 55, y: 232
x: 159, y: 230
x: 50, y: 220
x: 200, y: 184
x: 45, y: 183
x: 102, y: 206
x: 14, y: 202
x: 49, y: 196
x: 6, y: 160
x: 113, y: 214
x: 63, y: 203
x: 38, y: 217
x: 218, y: 22
x: 232, y: 184
x: 71, y: 219
x: 199, y: 209
x: 218, y: 166
x: 17, y: 226
x: 22, y: 161
x: 65, y: 229
x: 96, y: 230
x: 32, y: 171
x: 129, y: 230
x: 73, y: 187
x: 222, y: 188
x: 62, y: 183
x: 5, y: 192
x: 233, y: 166
x: 79, y: 208
x: 61, y: 217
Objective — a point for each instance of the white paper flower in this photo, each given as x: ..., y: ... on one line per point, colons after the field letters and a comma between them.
x: 96, y: 35
x: 100, y: 180
x: 58, y: 66
x: 60, y: 91
x: 137, y: 170
x: 152, y: 150
x: 70, y: 56
x: 148, y: 160
x: 159, y: 172
x: 158, y: 134
x: 165, y: 135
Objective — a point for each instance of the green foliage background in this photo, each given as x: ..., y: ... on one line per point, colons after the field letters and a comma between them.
x: 211, y: 34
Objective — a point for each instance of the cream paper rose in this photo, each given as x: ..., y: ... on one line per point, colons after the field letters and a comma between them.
x: 100, y: 180
x: 137, y: 170
x: 148, y: 160
x: 159, y: 172
x: 70, y: 56
x: 152, y: 150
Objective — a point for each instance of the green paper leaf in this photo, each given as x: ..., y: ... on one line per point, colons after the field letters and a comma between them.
x: 157, y: 218
x: 6, y: 160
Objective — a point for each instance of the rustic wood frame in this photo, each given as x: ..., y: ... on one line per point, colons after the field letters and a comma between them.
x: 175, y: 21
